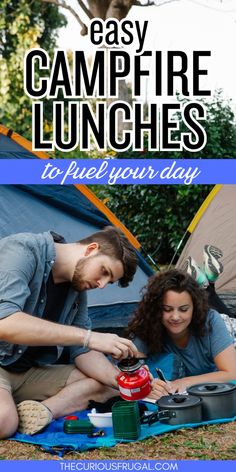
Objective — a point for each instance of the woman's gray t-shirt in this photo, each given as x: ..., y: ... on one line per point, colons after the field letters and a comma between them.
x: 198, y: 356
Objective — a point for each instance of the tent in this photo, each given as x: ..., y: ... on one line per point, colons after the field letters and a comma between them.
x: 215, y: 223
x: 74, y: 212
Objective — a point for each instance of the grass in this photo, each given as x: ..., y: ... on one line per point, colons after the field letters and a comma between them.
x: 213, y: 442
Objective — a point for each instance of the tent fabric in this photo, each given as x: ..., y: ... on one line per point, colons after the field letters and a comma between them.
x: 13, y: 146
x: 23, y: 211
x: 216, y: 225
x: 74, y: 212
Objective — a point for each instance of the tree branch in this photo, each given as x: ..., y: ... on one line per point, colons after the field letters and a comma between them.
x: 151, y: 3
x: 63, y: 4
x: 84, y: 31
x: 164, y: 2
x: 85, y: 9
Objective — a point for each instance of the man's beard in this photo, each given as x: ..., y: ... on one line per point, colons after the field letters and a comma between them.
x: 78, y: 282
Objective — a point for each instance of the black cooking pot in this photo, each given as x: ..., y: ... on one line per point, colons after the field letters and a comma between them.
x: 176, y: 409
x: 218, y: 399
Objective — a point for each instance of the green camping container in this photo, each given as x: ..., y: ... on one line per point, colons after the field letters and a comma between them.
x: 78, y: 426
x: 126, y: 420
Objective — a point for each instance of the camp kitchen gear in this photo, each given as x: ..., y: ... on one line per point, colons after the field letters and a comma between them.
x: 126, y: 420
x: 96, y: 434
x: 176, y: 409
x: 100, y: 420
x: 218, y: 399
x: 134, y: 380
x: 71, y: 417
x: 78, y: 426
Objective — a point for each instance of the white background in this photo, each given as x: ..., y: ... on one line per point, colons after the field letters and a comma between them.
x: 186, y: 25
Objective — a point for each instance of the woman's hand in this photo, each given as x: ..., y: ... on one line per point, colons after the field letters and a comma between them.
x: 181, y: 385
x: 160, y: 389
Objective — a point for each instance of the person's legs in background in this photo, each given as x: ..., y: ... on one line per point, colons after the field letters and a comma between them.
x: 213, y: 267
x: 207, y: 276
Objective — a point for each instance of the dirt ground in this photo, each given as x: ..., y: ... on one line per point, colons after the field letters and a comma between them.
x: 214, y: 442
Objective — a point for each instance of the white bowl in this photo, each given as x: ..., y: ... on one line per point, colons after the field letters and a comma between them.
x: 100, y: 420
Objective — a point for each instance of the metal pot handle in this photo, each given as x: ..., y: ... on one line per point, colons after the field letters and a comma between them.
x: 211, y: 388
x: 150, y: 419
x: 157, y: 416
x: 166, y: 415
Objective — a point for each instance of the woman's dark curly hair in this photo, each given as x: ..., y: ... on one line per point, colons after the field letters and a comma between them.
x: 147, y: 321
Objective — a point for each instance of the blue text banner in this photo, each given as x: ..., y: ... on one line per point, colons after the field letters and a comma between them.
x: 118, y: 171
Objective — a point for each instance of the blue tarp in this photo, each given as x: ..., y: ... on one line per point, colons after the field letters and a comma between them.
x: 54, y: 440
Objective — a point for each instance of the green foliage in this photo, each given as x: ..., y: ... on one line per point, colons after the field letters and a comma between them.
x: 23, y: 25
x: 220, y: 129
x: 159, y: 215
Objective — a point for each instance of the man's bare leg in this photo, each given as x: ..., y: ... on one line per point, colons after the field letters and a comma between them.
x: 8, y: 414
x: 77, y: 393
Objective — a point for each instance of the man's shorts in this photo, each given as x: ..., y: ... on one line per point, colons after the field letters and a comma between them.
x: 38, y: 383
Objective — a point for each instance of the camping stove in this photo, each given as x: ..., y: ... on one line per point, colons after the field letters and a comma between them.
x: 134, y: 380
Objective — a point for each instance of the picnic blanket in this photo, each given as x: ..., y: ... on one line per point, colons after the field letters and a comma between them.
x: 54, y: 440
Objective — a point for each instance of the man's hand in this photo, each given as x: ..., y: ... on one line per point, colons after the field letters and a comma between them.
x: 118, y: 347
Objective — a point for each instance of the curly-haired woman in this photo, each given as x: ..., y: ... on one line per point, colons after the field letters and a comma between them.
x: 173, y: 317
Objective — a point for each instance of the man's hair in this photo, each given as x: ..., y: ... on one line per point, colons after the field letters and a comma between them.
x: 113, y: 243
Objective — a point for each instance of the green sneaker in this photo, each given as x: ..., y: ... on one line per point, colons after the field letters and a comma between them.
x: 190, y: 266
x: 212, y: 266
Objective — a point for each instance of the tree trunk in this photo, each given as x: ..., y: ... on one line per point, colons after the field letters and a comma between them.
x: 110, y: 8
x: 114, y: 9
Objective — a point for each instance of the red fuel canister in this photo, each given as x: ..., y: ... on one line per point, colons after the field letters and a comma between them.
x: 134, y: 380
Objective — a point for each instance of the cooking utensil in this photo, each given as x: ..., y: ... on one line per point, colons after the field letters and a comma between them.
x: 100, y: 420
x: 218, y: 399
x: 78, y: 426
x: 134, y: 380
x: 126, y: 420
x: 176, y: 409
x: 130, y: 364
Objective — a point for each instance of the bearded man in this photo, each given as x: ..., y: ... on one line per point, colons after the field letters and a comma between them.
x: 43, y: 308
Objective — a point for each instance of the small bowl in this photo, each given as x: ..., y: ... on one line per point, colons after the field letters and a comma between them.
x: 100, y: 420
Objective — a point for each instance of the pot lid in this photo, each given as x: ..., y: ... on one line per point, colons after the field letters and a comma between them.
x: 210, y: 388
x: 130, y: 364
x: 178, y: 401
